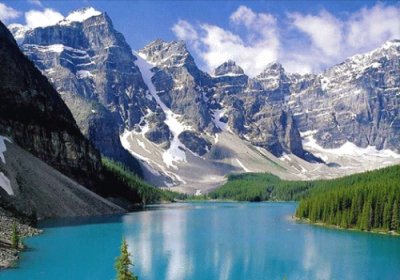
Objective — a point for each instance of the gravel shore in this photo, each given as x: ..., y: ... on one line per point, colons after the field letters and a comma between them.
x: 8, y: 255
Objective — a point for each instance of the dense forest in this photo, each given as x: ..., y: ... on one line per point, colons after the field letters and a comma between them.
x: 260, y: 187
x: 119, y: 181
x: 367, y: 201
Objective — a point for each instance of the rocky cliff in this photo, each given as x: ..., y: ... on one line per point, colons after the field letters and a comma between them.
x: 40, y: 144
x: 33, y: 114
x: 92, y: 67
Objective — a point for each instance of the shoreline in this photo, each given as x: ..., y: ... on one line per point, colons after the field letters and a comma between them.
x: 8, y: 256
x: 325, y: 225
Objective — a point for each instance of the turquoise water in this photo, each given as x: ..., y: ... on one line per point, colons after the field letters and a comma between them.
x: 208, y: 241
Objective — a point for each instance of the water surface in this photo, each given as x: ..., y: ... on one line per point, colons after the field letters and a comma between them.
x: 208, y: 241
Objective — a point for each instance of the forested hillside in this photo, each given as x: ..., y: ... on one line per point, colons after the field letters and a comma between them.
x: 367, y: 201
x: 260, y: 187
x: 118, y: 181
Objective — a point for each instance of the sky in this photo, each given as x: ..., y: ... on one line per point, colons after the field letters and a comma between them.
x: 304, y: 36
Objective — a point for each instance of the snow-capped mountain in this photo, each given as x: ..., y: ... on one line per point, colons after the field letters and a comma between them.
x: 92, y: 67
x: 190, y: 128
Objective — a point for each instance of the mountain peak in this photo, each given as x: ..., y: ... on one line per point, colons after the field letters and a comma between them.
x: 274, y: 69
x: 228, y: 68
x: 83, y: 14
x: 167, y: 53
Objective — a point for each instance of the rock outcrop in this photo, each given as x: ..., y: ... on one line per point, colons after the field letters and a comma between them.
x: 33, y: 114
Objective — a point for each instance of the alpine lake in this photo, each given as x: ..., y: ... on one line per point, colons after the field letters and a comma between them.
x: 206, y: 241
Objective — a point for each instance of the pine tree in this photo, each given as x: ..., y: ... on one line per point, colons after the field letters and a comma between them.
x: 15, y: 240
x: 123, y: 264
x: 395, y: 217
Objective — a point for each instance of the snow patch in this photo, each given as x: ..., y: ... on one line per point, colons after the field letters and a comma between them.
x: 5, y: 184
x: 176, y: 151
x: 217, y: 115
x: 141, y: 144
x: 83, y: 74
x: 3, y: 148
x: 242, y: 166
x: 349, y: 149
x: 57, y: 48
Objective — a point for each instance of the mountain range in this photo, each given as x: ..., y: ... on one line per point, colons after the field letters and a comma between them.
x: 158, y: 113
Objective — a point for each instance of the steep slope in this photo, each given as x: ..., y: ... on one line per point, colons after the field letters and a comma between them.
x: 92, y: 67
x: 35, y: 120
x: 33, y: 188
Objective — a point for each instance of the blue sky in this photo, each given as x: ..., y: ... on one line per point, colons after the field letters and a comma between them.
x: 304, y: 36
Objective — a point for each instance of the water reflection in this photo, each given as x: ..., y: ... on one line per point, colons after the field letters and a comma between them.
x: 313, y: 260
x: 247, y: 241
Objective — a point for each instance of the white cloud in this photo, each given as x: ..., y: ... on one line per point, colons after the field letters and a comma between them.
x: 324, y: 30
x: 368, y: 28
x: 310, y: 42
x: 44, y: 18
x: 7, y: 13
x: 35, y: 2
x: 185, y: 31
x: 215, y: 45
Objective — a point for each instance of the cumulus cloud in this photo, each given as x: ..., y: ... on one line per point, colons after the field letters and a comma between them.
x: 324, y: 30
x: 310, y: 42
x: 185, y: 31
x: 7, y: 13
x: 333, y: 40
x: 367, y: 28
x: 44, y: 18
x: 215, y: 45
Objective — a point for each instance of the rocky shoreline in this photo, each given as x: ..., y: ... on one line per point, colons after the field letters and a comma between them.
x: 8, y: 255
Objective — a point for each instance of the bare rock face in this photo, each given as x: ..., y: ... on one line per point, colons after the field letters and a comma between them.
x: 355, y: 101
x: 35, y: 116
x: 183, y: 87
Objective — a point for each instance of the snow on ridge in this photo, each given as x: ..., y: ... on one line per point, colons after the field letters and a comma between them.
x: 18, y: 31
x: 57, y: 48
x: 82, y: 14
x: 176, y: 151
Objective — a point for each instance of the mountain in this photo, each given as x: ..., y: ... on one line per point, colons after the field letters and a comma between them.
x: 92, y: 67
x: 189, y: 128
x: 355, y: 101
x: 40, y: 144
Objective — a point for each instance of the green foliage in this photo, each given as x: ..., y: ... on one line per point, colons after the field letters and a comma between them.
x: 15, y: 238
x: 124, y: 263
x: 260, y: 187
x: 120, y: 181
x: 366, y: 201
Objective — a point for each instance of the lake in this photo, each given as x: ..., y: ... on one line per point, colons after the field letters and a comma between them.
x: 207, y: 241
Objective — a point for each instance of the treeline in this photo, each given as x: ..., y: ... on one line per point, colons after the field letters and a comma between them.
x: 260, y: 187
x: 118, y: 181
x: 366, y: 201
